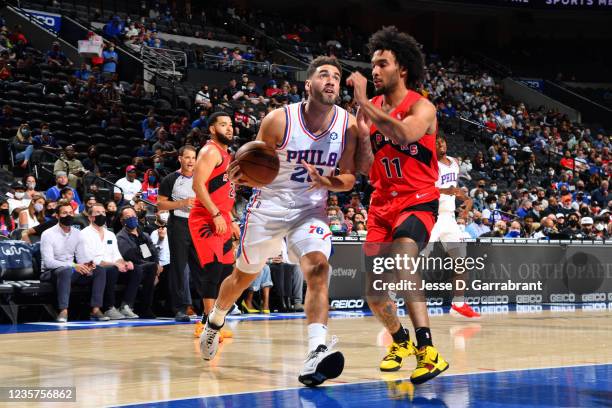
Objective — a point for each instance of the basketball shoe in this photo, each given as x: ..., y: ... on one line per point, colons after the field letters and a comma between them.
x: 322, y: 364
x: 396, y: 353
x: 209, y: 340
x: 429, y: 364
x: 223, y: 334
x: 463, y: 311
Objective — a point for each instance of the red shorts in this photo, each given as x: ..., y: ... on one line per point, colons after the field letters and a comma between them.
x: 210, y: 246
x: 389, y: 219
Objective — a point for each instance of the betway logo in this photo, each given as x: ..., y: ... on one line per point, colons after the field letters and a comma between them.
x: 344, y: 272
x: 348, y: 303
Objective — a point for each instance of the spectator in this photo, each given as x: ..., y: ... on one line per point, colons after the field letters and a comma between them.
x: 601, y: 196
x: 101, y: 246
x: 477, y: 227
x: 149, y: 127
x: 524, y: 209
x: 7, y: 224
x: 110, y: 60
x: 359, y: 229
x: 150, y: 185
x: 19, y: 199
x: 57, y: 58
x: 85, y: 211
x: 22, y: 145
x: 83, y: 73
x: 111, y: 212
x: 136, y: 246
x: 201, y: 122
x: 202, y: 98
x: 127, y: 187
x: 29, y: 181
x: 232, y: 93
x: 91, y: 163
x: 67, y: 194
x: 61, y: 181
x: 158, y: 236
x: 60, y: 246
x: 163, y: 144
x: 514, y: 231
x: 355, y: 202
x: 499, y: 230
x: 264, y: 283
x: 71, y: 165
x: 294, y: 94
x: 34, y: 214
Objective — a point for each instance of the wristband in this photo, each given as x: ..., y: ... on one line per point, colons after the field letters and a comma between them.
x: 218, y: 214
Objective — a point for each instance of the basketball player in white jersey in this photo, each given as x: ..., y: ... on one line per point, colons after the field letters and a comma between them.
x: 446, y: 229
x: 316, y: 142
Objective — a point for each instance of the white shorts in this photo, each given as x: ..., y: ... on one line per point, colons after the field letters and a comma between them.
x: 446, y: 230
x: 265, y: 227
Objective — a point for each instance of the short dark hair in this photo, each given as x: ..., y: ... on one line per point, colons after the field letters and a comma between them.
x: 406, y: 50
x: 322, y: 60
x: 213, y: 118
x: 186, y: 147
x: 65, y: 190
x: 62, y: 203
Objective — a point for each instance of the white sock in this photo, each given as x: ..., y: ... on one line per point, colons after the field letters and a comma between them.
x: 458, y: 301
x: 317, y: 335
x: 217, y: 316
x: 458, y: 304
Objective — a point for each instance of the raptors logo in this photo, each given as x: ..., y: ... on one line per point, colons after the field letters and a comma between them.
x: 205, y: 231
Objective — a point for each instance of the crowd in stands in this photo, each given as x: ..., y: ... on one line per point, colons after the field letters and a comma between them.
x: 530, y: 172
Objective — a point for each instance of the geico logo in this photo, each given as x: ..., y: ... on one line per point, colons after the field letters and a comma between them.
x: 528, y: 308
x: 563, y: 308
x: 595, y: 307
x: 472, y: 300
x: 610, y: 297
x: 46, y: 20
x: 494, y: 300
x: 594, y: 297
x: 435, y: 301
x: 435, y: 311
x: 562, y: 297
x: 494, y: 309
x: 348, y: 303
x: 528, y: 298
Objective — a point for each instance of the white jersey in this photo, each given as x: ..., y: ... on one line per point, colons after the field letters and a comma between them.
x: 447, y: 177
x: 324, y: 151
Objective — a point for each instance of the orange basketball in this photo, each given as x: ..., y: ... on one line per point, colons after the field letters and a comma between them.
x: 258, y: 162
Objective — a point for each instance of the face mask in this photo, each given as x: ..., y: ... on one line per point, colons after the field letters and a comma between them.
x: 100, y: 220
x: 573, y: 222
x: 152, y: 180
x: 599, y: 227
x: 45, y: 132
x: 4, y: 212
x: 31, y: 186
x: 38, y: 207
x: 492, y: 206
x: 158, y: 165
x: 131, y: 223
x: 25, y: 132
x: 66, y: 221
x: 551, y: 173
x: 335, y: 227
x: 478, y: 221
x: 479, y: 196
x: 461, y: 227
x: 164, y: 217
x: 19, y: 195
x: 362, y: 233
x: 111, y: 213
x: 493, y: 189
x: 514, y: 233
x: 142, y: 213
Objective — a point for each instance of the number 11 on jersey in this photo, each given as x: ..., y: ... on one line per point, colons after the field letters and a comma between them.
x: 396, y: 163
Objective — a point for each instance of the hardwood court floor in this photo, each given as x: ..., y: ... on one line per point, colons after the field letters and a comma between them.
x: 155, y: 363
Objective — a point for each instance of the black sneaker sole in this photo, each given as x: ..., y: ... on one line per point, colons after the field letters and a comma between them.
x: 425, y: 378
x: 390, y: 370
x: 330, y: 367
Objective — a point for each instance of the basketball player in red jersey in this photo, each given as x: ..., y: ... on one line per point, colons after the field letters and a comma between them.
x: 401, y: 125
x: 210, y: 221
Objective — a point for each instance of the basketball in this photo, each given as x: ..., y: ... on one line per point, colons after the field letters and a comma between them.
x: 258, y: 162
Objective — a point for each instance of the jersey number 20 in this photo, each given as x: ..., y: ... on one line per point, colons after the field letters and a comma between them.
x: 300, y: 171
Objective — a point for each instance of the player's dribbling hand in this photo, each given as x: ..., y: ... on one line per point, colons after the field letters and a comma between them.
x: 220, y: 225
x: 236, y: 176
x: 360, y: 86
x: 317, y: 180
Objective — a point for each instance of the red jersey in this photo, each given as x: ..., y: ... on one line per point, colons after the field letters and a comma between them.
x: 219, y: 187
x: 407, y: 171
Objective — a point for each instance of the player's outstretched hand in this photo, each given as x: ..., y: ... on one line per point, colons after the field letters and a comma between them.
x: 360, y: 86
x: 317, y: 180
x: 236, y: 176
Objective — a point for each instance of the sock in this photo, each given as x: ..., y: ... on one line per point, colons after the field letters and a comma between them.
x: 317, y: 335
x: 458, y: 301
x: 217, y: 316
x: 401, y: 335
x: 423, y: 335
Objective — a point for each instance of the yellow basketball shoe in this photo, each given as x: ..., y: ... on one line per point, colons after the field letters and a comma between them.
x: 429, y: 364
x: 397, y: 352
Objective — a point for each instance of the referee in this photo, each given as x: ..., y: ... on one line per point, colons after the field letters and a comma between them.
x: 177, y: 196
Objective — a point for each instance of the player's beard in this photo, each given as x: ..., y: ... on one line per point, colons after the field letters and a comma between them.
x: 225, y: 139
x: 323, y: 98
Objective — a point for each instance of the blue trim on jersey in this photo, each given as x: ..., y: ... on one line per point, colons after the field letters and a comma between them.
x: 287, y: 128
x: 308, y: 132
